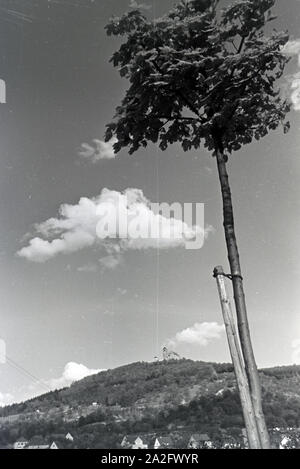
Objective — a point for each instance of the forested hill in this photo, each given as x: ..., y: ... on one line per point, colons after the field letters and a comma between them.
x: 153, y: 396
x: 128, y: 384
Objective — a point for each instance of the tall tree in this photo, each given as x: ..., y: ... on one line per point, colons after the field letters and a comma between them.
x: 203, y: 74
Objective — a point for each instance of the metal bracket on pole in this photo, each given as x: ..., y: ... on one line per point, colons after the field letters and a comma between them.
x: 217, y: 272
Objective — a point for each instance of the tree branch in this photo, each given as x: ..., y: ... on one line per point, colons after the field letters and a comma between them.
x: 181, y: 95
x: 175, y: 118
x: 241, y: 44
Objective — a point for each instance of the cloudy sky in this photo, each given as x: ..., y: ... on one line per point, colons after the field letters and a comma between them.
x: 71, y: 305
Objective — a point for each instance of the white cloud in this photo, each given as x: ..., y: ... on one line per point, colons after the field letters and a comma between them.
x: 200, y: 333
x: 40, y: 250
x: 99, y: 151
x: 141, y: 6
x: 6, y: 399
x: 296, y: 352
x: 295, y: 95
x: 72, y: 372
x: 292, y: 48
x: 88, y: 268
x: 85, y: 225
x: 111, y: 262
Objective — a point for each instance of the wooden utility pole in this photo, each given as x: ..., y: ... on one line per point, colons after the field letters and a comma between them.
x: 238, y: 362
x: 239, y: 296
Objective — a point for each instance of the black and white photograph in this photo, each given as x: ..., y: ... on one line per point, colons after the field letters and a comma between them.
x: 149, y: 227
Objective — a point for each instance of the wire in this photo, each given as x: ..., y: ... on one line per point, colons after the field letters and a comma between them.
x: 27, y: 373
x: 16, y: 15
x: 29, y: 376
x: 70, y: 4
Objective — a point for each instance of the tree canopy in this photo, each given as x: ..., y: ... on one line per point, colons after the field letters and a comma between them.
x: 200, y: 74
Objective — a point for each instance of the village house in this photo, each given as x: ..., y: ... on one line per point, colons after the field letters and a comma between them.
x: 285, y: 438
x: 25, y: 445
x: 164, y: 442
x: 53, y: 445
x: 69, y: 437
x: 231, y: 444
x: 286, y: 442
x: 152, y: 441
x: 199, y: 441
x: 21, y: 444
x: 290, y: 438
x: 135, y: 442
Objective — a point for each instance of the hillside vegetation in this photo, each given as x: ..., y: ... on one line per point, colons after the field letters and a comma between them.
x: 161, y: 397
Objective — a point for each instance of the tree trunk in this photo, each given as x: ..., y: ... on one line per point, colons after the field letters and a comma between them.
x: 239, y: 299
